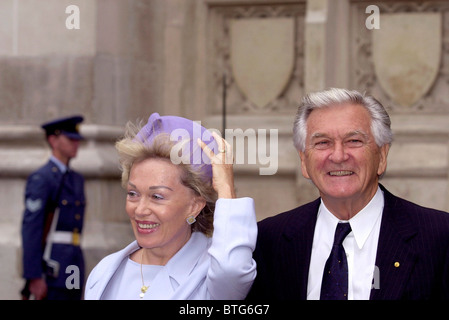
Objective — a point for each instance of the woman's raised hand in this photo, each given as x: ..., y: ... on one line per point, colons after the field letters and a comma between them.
x: 222, y: 162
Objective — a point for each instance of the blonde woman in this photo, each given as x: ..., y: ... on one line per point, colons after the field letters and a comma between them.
x: 194, y: 238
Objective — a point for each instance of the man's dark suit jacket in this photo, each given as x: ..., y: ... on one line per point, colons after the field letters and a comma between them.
x: 415, y: 237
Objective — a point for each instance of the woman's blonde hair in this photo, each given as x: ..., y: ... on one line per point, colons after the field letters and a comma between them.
x: 132, y: 150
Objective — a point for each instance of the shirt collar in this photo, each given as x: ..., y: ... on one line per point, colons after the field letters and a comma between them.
x: 363, y: 222
x: 61, y: 166
x: 178, y: 268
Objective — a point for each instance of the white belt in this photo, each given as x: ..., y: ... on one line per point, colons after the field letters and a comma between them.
x: 65, y: 237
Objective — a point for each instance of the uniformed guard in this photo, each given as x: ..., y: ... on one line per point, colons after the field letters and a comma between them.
x: 53, y: 263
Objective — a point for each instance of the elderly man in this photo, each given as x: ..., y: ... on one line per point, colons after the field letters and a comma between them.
x: 357, y: 241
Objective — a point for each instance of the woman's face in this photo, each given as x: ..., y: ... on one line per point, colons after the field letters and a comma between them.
x: 158, y: 204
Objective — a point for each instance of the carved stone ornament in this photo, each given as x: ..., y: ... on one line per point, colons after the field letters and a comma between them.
x: 259, y: 48
x: 405, y: 63
x: 407, y: 54
x: 262, y: 56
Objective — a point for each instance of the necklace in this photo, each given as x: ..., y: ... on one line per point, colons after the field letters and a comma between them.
x: 144, y: 288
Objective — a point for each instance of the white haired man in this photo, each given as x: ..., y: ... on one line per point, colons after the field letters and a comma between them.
x: 357, y: 241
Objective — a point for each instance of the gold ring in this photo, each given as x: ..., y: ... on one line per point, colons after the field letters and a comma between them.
x: 222, y: 150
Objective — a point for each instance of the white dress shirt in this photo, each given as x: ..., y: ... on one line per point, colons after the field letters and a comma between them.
x: 360, y: 246
x: 220, y: 267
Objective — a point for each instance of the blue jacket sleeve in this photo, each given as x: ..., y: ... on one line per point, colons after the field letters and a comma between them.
x: 37, y: 194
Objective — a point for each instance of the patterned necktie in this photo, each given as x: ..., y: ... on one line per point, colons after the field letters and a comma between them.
x: 335, y: 277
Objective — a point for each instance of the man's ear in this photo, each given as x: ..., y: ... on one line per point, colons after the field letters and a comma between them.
x: 51, y: 139
x: 383, y: 159
x: 302, y: 155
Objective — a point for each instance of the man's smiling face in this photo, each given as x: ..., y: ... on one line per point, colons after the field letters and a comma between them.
x: 341, y: 156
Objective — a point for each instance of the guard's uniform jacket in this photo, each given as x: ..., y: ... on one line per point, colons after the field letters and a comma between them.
x: 40, y: 195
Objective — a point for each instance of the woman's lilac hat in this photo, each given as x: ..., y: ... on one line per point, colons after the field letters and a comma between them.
x: 185, y: 132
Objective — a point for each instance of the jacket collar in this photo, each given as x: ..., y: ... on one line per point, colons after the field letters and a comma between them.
x: 395, y: 255
x: 174, y: 273
x: 61, y: 166
x: 299, y: 235
x: 396, y: 231
x: 394, y: 213
x: 184, y: 261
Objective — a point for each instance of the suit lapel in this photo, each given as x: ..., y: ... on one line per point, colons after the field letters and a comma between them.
x: 395, y: 257
x: 299, y: 239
